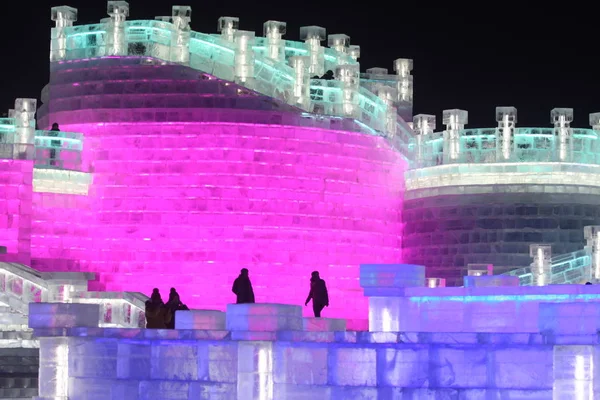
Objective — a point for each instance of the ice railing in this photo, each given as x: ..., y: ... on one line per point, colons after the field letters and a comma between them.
x: 21, y: 285
x: 51, y: 149
x: 216, y: 56
x: 505, y: 143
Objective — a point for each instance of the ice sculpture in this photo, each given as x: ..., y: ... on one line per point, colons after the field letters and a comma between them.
x: 116, y: 40
x: 273, y: 32
x: 348, y: 74
x: 244, y: 57
x: 301, y: 66
x: 354, y: 52
x: 389, y: 95
x: 339, y: 42
x: 480, y: 269
x: 455, y: 121
x: 435, y: 282
x: 64, y: 17
x: 595, y: 121
x: 540, y: 268
x: 573, y: 372
x: 180, y: 37
x: 403, y: 68
x: 227, y: 26
x: 423, y: 125
x: 313, y: 36
x: 592, y: 236
x: 24, y: 114
x: 562, y: 118
x: 507, y: 119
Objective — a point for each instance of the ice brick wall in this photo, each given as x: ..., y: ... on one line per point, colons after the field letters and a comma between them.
x: 60, y: 235
x: 445, y: 233
x: 16, y: 177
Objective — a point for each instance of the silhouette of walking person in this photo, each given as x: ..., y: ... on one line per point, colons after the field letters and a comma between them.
x: 242, y: 287
x: 318, y: 294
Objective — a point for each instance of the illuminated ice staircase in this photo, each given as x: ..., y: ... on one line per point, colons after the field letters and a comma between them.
x: 19, y: 350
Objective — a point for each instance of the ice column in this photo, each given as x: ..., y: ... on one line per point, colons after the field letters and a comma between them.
x: 339, y: 42
x: 389, y: 95
x: 116, y: 40
x: 436, y: 282
x: 423, y: 126
x: 24, y: 114
x: 562, y: 118
x: 540, y: 268
x: 63, y: 17
x: 403, y: 68
x: 228, y: 26
x: 506, y: 118
x: 595, y: 121
x: 301, y: 81
x: 244, y: 57
x: 354, y: 52
x: 573, y: 372
x: 480, y: 269
x: 592, y: 236
x: 180, y: 36
x: 313, y: 36
x: 255, y: 370
x: 455, y: 121
x: 273, y: 31
x: 349, y: 76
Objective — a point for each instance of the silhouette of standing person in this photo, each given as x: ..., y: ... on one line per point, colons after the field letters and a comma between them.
x: 318, y: 294
x: 54, y: 143
x: 242, y: 287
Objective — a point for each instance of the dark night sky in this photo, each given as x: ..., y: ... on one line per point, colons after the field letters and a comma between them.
x: 474, y: 58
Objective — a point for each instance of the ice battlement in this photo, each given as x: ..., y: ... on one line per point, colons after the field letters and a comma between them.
x: 283, y: 69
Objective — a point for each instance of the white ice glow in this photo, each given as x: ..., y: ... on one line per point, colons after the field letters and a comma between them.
x: 264, y: 374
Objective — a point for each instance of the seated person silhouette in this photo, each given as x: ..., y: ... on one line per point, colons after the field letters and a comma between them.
x: 318, y: 294
x: 242, y: 287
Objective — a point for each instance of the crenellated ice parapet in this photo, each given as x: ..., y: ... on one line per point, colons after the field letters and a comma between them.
x: 312, y: 37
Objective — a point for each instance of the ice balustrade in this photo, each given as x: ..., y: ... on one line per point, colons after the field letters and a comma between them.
x: 510, y: 144
x: 60, y: 150
x: 21, y: 285
x: 213, y: 54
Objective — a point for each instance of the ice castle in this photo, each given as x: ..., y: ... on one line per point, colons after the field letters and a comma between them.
x: 454, y: 258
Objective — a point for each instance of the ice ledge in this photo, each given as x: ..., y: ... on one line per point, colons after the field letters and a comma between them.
x: 61, y: 181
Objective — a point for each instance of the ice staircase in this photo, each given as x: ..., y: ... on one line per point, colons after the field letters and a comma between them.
x: 19, y: 350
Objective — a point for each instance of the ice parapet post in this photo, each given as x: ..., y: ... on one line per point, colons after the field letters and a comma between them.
x: 227, y: 26
x: 573, y: 372
x: 64, y: 17
x: 455, y: 121
x: 301, y: 64
x: 505, y: 134
x: 349, y: 76
x: 339, y: 42
x: 423, y: 125
x: 24, y: 138
x: 480, y: 269
x: 562, y: 118
x: 116, y: 40
x: 542, y: 263
x: 592, y: 237
x: 180, y: 36
x: 388, y: 95
x: 244, y: 58
x: 436, y: 282
x: 273, y: 32
x: 403, y: 68
x: 313, y: 36
x: 354, y: 52
x: 595, y: 121
x: 384, y: 284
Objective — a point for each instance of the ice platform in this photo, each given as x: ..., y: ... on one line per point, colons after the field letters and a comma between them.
x: 200, y: 319
x: 324, y: 324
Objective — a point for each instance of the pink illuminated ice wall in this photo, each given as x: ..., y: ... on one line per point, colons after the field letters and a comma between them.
x: 194, y: 179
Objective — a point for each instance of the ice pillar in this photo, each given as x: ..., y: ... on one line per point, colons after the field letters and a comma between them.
x: 403, y: 68
x: 388, y: 95
x: 455, y: 121
x: 244, y: 57
x: 24, y: 114
x: 339, y: 42
x: 592, y: 236
x: 180, y: 36
x: 505, y: 134
x: 480, y: 269
x: 301, y: 81
x: 313, y: 36
x: 384, y: 285
x: 227, y: 26
x: 273, y: 32
x: 354, y: 52
x: 562, y: 118
x: 349, y: 76
x: 116, y: 40
x: 423, y: 126
x: 63, y: 18
x: 573, y: 372
x: 436, y: 282
x: 540, y: 268
x: 595, y: 121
